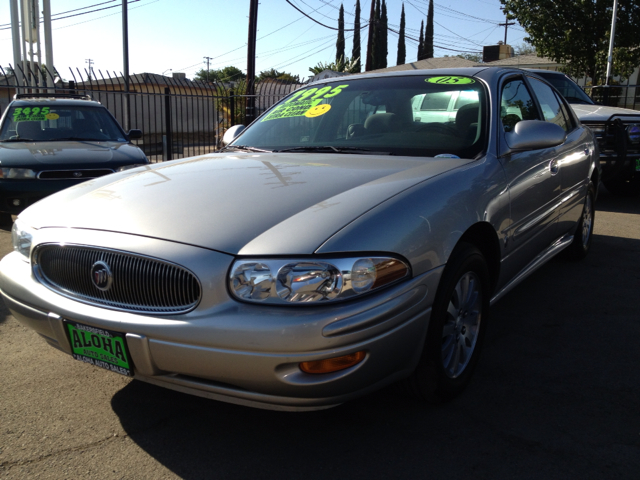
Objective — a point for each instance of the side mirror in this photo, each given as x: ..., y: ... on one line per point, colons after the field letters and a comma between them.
x: 134, y: 134
x: 534, y: 135
x: 231, y: 134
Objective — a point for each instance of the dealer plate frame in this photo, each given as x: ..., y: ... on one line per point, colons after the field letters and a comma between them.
x: 99, y: 347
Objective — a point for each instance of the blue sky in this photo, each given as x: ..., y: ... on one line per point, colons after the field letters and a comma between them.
x: 174, y: 35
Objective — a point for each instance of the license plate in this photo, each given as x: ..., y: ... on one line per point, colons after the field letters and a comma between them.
x: 99, y: 347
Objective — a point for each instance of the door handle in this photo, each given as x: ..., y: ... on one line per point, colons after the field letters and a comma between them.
x: 553, y: 166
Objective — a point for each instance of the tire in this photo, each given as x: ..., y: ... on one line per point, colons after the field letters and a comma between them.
x: 623, y: 185
x: 5, y: 219
x: 456, y: 328
x: 584, y: 232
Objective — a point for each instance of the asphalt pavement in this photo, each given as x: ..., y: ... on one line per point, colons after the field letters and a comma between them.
x: 556, y: 395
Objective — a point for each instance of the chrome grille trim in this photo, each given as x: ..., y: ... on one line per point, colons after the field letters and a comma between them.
x: 141, y: 284
x: 85, y: 174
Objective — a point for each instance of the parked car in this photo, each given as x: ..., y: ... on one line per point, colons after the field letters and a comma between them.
x: 328, y: 251
x: 441, y: 106
x: 49, y: 142
x: 617, y: 130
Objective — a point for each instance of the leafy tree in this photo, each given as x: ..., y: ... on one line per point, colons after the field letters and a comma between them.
x: 402, y: 48
x: 276, y: 75
x: 428, y: 36
x: 340, y: 41
x: 226, y: 74
x: 524, y: 49
x: 576, y: 32
x: 474, y: 57
x: 347, y: 65
x: 421, y: 42
x: 355, y: 52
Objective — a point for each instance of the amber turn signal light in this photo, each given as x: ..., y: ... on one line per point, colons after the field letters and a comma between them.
x: 329, y: 365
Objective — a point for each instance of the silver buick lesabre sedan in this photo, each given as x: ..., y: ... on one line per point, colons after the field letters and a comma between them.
x: 333, y: 247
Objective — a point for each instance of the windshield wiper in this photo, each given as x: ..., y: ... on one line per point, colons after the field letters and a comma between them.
x: 18, y: 140
x: 245, y: 148
x: 78, y: 139
x: 332, y: 149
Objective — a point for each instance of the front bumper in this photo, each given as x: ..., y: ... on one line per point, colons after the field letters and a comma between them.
x: 235, y: 352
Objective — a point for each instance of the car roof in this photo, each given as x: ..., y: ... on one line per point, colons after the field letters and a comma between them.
x: 66, y: 102
x: 487, y: 73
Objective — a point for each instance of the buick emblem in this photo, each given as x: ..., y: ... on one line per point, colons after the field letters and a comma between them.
x: 77, y: 174
x: 101, y: 276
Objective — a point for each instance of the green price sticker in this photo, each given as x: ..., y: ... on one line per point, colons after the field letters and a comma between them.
x: 450, y: 80
x: 637, y: 164
x: 31, y: 114
x: 306, y: 103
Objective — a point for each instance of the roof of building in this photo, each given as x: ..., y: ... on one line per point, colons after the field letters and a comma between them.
x: 429, y: 63
x: 520, y: 61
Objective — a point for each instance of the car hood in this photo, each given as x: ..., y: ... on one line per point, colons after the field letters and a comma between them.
x: 250, y: 204
x: 38, y: 155
x: 599, y: 113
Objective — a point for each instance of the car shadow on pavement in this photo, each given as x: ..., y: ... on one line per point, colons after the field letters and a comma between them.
x: 554, y: 396
x: 610, y: 203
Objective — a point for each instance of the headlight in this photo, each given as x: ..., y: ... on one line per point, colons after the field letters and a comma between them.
x: 128, y: 167
x: 280, y: 281
x: 17, y: 173
x: 21, y: 237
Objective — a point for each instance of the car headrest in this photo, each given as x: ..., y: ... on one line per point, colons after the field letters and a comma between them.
x: 27, y: 129
x: 467, y: 114
x: 381, y: 122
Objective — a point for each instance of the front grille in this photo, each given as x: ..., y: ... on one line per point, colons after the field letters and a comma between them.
x: 74, y: 174
x: 137, y: 283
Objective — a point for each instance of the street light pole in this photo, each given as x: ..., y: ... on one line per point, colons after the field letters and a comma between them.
x: 611, y: 38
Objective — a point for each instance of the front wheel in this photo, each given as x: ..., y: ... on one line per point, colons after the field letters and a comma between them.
x: 584, y: 232
x: 624, y: 185
x: 456, y: 329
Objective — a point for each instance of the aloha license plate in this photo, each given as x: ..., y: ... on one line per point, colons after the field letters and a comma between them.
x: 99, y: 347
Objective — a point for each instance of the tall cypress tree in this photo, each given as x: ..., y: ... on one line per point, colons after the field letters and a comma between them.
x: 375, y: 38
x: 384, y: 22
x: 355, y: 53
x: 421, y: 42
x: 340, y: 41
x: 402, y: 48
x: 428, y: 38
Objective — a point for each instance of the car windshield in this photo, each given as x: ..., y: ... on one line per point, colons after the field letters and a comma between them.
x: 411, y: 115
x: 567, y: 88
x: 51, y: 123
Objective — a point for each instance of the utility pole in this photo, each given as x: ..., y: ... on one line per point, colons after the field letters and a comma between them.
x: 125, y: 62
x: 611, y: 38
x: 506, y: 25
x: 90, y: 62
x: 207, y: 59
x: 251, y: 62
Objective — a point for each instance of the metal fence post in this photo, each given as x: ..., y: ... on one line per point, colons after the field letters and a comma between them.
x: 232, y: 108
x: 167, y: 122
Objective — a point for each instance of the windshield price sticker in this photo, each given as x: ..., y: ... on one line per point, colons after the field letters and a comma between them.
x: 102, y: 348
x: 306, y: 103
x: 637, y: 164
x: 450, y: 80
x: 31, y: 114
